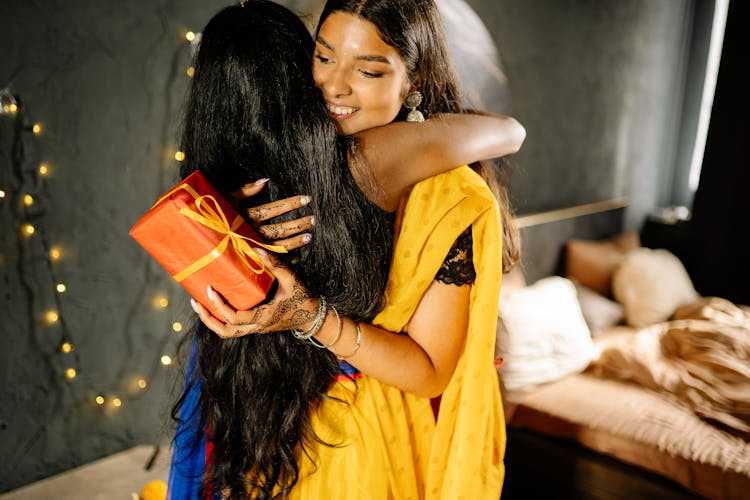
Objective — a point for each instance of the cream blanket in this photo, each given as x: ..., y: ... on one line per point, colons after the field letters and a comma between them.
x: 701, y: 359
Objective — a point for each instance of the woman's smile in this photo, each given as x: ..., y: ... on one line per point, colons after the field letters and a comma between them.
x: 340, y: 113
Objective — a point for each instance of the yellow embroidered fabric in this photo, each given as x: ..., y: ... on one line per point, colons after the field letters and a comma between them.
x: 390, y: 446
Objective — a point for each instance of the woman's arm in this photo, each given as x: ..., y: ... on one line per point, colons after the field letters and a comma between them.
x: 422, y: 362
x: 390, y: 159
x: 400, y: 154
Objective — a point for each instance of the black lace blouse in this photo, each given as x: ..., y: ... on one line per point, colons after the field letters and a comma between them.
x: 458, y: 266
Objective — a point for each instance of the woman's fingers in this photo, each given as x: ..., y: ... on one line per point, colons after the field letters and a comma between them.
x: 248, y: 190
x: 275, y: 232
x: 289, y: 308
x: 213, y: 324
x: 274, y: 209
x: 227, y: 313
x: 294, y: 242
x: 235, y: 323
x: 290, y: 234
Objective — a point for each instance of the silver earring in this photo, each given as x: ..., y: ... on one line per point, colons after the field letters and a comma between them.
x: 414, y: 99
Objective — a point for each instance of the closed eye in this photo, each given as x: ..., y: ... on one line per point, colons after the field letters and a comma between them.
x: 370, y: 74
x: 323, y: 59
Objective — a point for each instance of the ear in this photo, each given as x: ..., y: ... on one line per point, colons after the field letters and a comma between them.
x: 416, y: 84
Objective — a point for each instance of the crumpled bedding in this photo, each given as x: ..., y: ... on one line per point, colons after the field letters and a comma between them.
x: 700, y: 359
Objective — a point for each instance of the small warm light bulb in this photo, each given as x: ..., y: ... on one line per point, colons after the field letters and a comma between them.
x: 166, y: 360
x: 37, y: 128
x: 13, y: 108
x: 2, y: 193
x: 116, y: 402
x: 66, y: 347
x: 43, y: 169
x: 99, y: 400
x: 177, y: 326
x: 189, y: 36
x: 55, y: 253
x: 70, y: 373
x: 51, y: 317
x: 142, y: 383
x: 27, y: 229
x: 179, y: 156
x: 61, y: 287
x: 28, y: 200
x: 190, y: 71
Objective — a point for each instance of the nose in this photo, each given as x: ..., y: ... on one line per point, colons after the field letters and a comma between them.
x: 335, y: 83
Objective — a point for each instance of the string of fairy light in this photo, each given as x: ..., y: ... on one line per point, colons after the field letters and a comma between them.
x: 23, y: 197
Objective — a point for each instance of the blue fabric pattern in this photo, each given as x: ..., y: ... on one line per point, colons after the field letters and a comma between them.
x: 188, y: 456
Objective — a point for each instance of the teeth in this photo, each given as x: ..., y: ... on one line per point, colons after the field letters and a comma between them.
x: 341, y: 110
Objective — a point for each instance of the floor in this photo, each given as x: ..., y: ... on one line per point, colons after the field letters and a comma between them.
x: 537, y: 467
x: 117, y: 477
x: 544, y: 467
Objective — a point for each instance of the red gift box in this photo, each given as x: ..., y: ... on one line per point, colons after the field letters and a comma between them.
x: 201, y: 240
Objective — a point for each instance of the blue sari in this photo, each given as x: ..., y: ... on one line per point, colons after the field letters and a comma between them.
x: 189, y: 448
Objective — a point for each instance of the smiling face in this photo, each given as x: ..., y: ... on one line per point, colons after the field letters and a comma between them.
x: 363, y: 79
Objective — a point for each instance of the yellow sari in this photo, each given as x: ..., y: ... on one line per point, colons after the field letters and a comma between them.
x: 387, y: 443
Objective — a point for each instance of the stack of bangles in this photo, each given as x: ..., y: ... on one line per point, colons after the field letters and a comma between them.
x: 320, y: 318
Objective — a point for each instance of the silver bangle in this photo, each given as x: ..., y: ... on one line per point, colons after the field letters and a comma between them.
x: 320, y: 317
x: 356, y: 343
x: 338, y: 335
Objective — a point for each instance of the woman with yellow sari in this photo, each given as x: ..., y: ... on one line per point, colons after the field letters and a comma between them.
x: 380, y: 439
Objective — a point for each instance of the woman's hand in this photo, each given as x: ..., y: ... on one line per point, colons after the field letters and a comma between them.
x: 291, y: 307
x: 290, y: 234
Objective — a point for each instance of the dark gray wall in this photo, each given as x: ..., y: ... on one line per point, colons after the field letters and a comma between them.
x: 105, y: 79
x: 598, y: 86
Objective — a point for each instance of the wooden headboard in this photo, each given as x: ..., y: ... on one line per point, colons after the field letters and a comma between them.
x: 544, y: 234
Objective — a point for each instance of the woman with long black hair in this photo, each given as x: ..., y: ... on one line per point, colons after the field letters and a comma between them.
x: 254, y: 113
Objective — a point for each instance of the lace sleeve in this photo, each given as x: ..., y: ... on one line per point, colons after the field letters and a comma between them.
x: 458, y: 266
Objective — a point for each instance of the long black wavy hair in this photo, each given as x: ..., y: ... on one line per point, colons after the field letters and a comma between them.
x: 414, y: 28
x: 253, y: 111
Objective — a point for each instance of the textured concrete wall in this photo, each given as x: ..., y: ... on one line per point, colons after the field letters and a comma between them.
x: 595, y: 83
x: 105, y: 80
x: 599, y: 87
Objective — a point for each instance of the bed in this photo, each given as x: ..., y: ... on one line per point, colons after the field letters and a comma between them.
x: 616, y: 351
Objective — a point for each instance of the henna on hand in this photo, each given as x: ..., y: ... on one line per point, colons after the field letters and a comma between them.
x: 290, y: 312
x: 291, y: 308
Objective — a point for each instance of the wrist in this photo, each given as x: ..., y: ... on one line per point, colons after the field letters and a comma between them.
x: 328, y: 334
x: 306, y: 330
x: 351, y: 346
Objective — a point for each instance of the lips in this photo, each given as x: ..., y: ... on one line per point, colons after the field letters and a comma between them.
x: 340, y: 112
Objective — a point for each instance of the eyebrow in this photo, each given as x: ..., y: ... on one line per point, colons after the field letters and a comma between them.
x: 371, y: 58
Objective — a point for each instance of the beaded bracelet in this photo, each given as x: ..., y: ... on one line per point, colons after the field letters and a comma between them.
x: 356, y: 343
x: 320, y: 317
x: 338, y: 335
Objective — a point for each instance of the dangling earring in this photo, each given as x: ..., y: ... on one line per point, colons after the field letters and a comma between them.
x: 414, y: 99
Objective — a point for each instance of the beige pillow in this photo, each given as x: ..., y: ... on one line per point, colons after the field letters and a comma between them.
x: 592, y: 263
x: 541, y: 334
x: 650, y: 284
x: 599, y: 312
